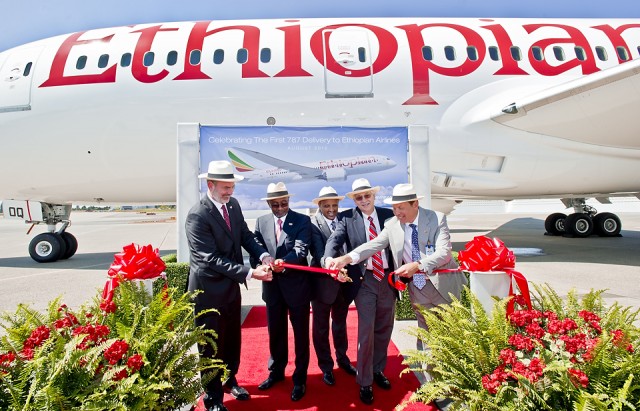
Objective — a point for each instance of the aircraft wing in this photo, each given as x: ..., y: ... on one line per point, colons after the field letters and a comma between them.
x: 292, y: 167
x: 601, y: 108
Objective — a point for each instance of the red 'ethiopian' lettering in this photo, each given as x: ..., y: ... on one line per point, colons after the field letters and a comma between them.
x: 138, y: 69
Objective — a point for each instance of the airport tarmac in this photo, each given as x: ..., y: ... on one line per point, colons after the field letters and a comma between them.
x: 564, y: 263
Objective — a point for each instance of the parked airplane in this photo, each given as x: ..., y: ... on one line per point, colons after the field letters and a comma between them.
x: 515, y: 108
x: 329, y: 170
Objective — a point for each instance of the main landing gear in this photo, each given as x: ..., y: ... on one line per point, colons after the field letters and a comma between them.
x: 583, y: 222
x: 55, y: 244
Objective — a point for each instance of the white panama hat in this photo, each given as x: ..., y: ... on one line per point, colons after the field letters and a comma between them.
x: 361, y: 185
x: 327, y: 193
x: 403, y: 193
x: 276, y: 190
x: 221, y: 170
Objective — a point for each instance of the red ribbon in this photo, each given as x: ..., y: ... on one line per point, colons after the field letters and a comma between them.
x: 332, y: 273
x: 486, y: 254
x: 133, y: 263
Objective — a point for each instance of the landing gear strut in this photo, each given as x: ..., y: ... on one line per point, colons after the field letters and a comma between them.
x: 583, y: 222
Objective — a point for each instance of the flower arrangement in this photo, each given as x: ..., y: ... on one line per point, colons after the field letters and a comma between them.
x: 558, y: 355
x: 133, y: 352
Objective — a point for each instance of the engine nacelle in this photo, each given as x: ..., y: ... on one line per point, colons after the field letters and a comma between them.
x: 334, y: 174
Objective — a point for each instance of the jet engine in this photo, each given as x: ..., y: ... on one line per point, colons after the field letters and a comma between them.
x: 334, y: 174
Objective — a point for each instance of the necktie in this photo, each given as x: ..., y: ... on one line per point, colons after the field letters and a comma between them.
x: 279, y: 229
x: 376, y: 259
x: 225, y: 214
x: 333, y: 226
x: 419, y: 280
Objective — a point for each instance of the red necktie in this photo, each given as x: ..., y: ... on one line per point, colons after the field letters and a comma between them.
x: 225, y: 214
x: 279, y: 230
x: 376, y: 259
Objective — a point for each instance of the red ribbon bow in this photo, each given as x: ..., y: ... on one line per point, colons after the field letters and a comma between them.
x: 486, y: 254
x: 133, y: 263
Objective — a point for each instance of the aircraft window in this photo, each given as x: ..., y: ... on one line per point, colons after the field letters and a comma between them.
x: 559, y: 53
x: 537, y: 53
x: 148, y: 58
x: 218, y: 56
x: 194, y: 57
x: 472, y: 53
x: 172, y: 58
x: 602, y: 53
x: 580, y: 54
x: 494, y: 53
x: 516, y: 54
x: 103, y: 61
x: 27, y: 69
x: 362, y: 54
x: 427, y: 53
x: 243, y: 56
x: 265, y: 55
x: 622, y: 53
x: 81, y: 63
x: 125, y: 61
x: 450, y: 53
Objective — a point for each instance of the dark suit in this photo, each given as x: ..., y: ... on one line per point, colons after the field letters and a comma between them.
x: 375, y: 300
x: 216, y: 268
x: 330, y: 299
x: 288, y: 293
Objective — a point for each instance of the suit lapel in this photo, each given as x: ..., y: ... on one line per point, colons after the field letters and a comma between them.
x: 396, y: 241
x: 217, y: 217
x: 324, y: 228
x: 423, y: 230
x: 269, y: 234
x: 358, y: 227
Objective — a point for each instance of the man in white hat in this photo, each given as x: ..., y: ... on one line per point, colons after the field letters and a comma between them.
x: 331, y: 298
x: 420, y: 244
x: 286, y: 235
x: 216, y: 231
x: 374, y: 296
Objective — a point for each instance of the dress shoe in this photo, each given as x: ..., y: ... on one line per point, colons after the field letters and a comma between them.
x: 366, y: 394
x: 298, y: 392
x: 210, y: 404
x: 237, y: 392
x: 350, y: 369
x: 217, y: 407
x: 327, y: 378
x: 269, y: 382
x: 381, y: 380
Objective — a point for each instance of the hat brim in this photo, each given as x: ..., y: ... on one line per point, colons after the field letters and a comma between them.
x: 275, y: 198
x: 390, y: 200
x: 235, y: 178
x: 375, y: 189
x: 319, y: 199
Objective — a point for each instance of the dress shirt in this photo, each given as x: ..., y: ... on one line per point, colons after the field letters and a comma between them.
x: 356, y: 256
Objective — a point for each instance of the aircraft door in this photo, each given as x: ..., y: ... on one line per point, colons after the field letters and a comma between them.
x: 348, y: 69
x: 15, y: 80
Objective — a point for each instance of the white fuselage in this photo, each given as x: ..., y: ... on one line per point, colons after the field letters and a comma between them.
x: 95, y: 116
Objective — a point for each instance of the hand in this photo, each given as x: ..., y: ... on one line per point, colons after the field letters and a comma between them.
x: 278, y: 266
x: 338, y: 263
x: 268, y: 260
x: 262, y: 273
x: 343, y: 277
x: 408, y: 270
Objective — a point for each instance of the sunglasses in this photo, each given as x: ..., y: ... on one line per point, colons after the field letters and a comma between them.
x: 279, y: 205
x: 364, y: 196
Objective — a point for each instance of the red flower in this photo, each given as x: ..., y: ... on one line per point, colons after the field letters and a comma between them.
x: 575, y: 343
x: 135, y: 362
x: 108, y: 306
x: 95, y: 334
x: 578, y: 377
x: 535, y: 330
x: 588, y: 316
x: 7, y: 359
x: 116, y: 351
x: 38, y: 336
x: 27, y: 354
x: 120, y: 375
x: 493, y: 381
x: 508, y: 356
x: 522, y: 342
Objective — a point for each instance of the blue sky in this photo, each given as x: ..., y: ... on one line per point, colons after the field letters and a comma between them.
x: 25, y: 21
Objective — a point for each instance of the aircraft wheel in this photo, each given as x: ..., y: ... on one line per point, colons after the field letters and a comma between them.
x: 607, y: 224
x: 47, y: 247
x: 72, y: 245
x: 579, y: 224
x: 555, y: 224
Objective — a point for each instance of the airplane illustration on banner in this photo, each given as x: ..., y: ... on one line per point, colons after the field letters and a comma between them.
x: 329, y: 170
x: 507, y: 108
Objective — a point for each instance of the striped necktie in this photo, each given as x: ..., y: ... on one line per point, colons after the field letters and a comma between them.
x: 279, y: 229
x: 376, y: 259
x: 419, y: 280
x: 225, y: 214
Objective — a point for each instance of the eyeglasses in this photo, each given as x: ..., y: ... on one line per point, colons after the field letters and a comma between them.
x: 365, y: 196
x: 284, y: 204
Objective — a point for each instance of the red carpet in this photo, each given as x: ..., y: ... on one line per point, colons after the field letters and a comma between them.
x: 344, y: 395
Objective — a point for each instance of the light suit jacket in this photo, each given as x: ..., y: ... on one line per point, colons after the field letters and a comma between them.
x: 432, y: 229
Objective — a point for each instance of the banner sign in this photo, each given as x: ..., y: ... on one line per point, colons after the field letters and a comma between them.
x: 307, y: 159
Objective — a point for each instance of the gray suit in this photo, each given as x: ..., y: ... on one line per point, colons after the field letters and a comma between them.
x: 432, y: 229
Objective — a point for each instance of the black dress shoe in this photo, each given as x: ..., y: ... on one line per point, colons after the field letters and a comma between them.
x: 381, y: 380
x: 350, y: 369
x: 217, y: 407
x: 269, y: 382
x: 327, y: 378
x: 238, y: 392
x: 298, y: 392
x: 366, y: 394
